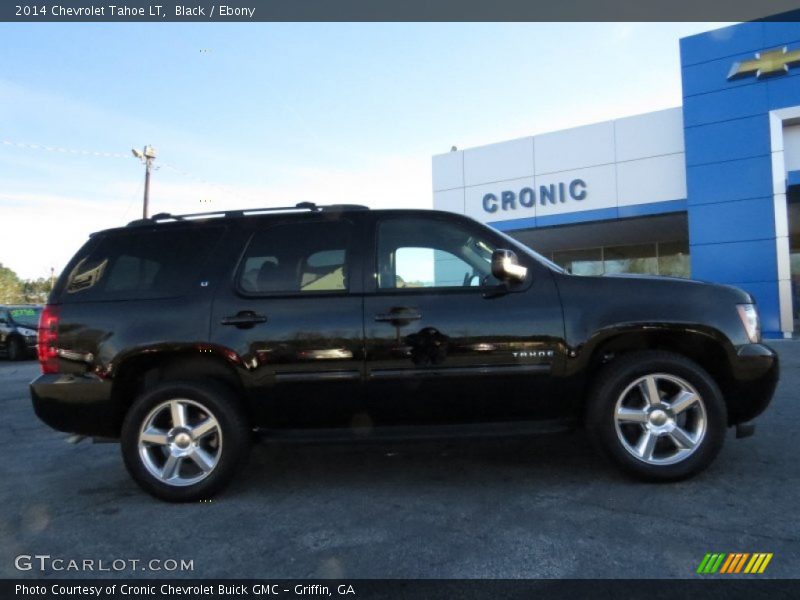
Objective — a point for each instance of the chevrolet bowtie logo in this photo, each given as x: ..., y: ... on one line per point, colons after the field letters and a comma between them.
x: 765, y: 64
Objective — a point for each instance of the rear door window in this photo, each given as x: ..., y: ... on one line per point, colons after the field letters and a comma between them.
x: 297, y: 258
x: 142, y: 264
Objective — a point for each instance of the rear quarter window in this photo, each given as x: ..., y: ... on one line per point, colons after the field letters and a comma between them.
x: 141, y: 264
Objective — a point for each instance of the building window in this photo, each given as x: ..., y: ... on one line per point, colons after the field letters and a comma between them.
x: 663, y: 258
x: 639, y: 258
x: 673, y: 259
x: 581, y: 262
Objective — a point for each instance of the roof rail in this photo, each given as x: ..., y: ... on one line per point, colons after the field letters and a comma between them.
x: 246, y: 212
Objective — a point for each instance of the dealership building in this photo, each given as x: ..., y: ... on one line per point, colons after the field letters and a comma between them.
x: 709, y: 190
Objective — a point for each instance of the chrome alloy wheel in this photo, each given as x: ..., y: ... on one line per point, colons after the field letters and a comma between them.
x: 180, y: 442
x: 660, y: 419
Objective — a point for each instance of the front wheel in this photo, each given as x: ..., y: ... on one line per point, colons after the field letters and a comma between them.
x: 184, y: 441
x: 657, y: 415
x: 15, y: 349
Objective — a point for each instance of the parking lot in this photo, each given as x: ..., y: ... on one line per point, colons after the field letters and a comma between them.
x: 543, y: 507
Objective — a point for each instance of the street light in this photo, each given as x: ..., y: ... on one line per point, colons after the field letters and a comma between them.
x: 147, y: 156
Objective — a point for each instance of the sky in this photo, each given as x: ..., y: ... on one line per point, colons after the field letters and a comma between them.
x: 271, y: 114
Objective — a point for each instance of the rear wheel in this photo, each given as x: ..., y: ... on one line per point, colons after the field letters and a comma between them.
x: 185, y: 441
x: 658, y: 415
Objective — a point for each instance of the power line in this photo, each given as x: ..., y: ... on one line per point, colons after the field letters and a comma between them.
x: 61, y: 150
x: 74, y: 152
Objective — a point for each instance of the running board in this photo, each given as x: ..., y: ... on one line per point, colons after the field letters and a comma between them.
x: 417, y: 432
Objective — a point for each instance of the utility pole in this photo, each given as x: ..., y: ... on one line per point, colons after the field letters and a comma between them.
x: 147, y: 156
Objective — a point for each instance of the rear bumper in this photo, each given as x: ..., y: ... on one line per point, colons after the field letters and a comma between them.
x: 76, y: 404
x: 755, y: 371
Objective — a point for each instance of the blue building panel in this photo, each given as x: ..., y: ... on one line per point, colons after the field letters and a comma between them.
x: 742, y: 220
x: 599, y: 214
x: 652, y: 208
x: 728, y: 156
x: 712, y: 76
x: 751, y: 261
x: 709, y: 77
x: 728, y: 41
x: 725, y: 105
x: 515, y: 224
x: 780, y: 33
x: 729, y: 140
x: 783, y: 91
x: 729, y: 181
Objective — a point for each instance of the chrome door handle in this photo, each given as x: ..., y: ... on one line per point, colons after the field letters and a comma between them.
x: 244, y: 319
x: 399, y: 315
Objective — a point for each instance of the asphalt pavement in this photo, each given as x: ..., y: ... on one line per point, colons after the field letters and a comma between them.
x: 540, y: 507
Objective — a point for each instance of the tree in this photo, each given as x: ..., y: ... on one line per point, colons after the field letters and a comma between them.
x: 35, y: 291
x: 10, y: 286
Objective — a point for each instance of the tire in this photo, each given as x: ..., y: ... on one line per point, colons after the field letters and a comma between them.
x: 15, y: 349
x: 674, y: 436
x: 165, y: 457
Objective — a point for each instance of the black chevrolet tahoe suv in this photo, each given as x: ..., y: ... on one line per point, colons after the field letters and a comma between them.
x: 184, y: 336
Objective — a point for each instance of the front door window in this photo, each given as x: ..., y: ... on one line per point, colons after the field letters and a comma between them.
x: 418, y: 253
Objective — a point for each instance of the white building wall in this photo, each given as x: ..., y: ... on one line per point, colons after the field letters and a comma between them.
x: 635, y: 160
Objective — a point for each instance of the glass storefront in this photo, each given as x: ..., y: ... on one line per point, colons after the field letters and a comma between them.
x: 662, y: 258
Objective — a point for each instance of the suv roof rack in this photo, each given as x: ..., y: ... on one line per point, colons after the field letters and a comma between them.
x: 246, y: 212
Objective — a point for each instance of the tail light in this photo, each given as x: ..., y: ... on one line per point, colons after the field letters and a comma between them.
x: 48, y: 338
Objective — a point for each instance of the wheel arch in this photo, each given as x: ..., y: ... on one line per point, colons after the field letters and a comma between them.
x: 706, y: 347
x: 144, y: 370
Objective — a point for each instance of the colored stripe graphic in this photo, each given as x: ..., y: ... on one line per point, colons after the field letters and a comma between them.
x: 729, y: 562
x: 764, y: 564
x: 711, y: 563
x: 703, y: 563
x: 741, y: 562
x: 734, y: 562
x: 759, y: 562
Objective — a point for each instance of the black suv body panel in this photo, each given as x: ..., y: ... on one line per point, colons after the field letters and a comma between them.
x: 366, y: 355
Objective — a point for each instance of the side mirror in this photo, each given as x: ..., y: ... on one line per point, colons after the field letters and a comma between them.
x: 506, y: 267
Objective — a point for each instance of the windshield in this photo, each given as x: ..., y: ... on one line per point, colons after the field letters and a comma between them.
x: 27, y: 317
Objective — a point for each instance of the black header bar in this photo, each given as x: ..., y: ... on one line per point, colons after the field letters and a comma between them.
x: 395, y: 10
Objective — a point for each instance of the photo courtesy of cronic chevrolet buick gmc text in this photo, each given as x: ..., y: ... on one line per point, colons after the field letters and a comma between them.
x: 184, y: 336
